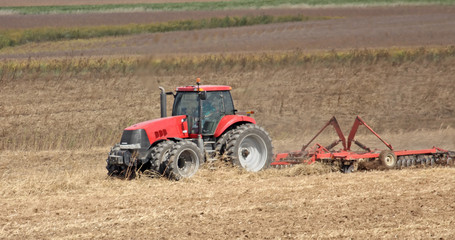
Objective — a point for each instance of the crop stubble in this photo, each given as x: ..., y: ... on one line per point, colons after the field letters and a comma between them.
x: 65, y: 194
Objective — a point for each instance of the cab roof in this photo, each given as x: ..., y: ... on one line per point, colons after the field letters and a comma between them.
x: 207, y: 88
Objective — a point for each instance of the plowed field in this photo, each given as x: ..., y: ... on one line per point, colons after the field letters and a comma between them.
x: 354, y: 28
x: 85, y: 2
x: 56, y: 128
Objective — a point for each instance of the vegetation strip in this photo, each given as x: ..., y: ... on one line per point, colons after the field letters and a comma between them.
x: 236, y: 4
x: 9, y: 38
x: 11, y: 68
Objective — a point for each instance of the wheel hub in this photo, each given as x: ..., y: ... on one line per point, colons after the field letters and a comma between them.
x: 389, y: 160
x: 252, y: 152
x: 245, y: 152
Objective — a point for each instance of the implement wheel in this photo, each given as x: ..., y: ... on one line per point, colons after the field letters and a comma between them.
x: 388, y: 159
x: 250, y: 147
x: 184, y: 160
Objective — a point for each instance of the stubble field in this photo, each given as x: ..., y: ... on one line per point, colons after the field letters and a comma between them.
x: 58, y: 121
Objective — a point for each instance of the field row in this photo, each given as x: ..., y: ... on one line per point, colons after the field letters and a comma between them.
x: 12, y: 69
x: 393, y: 27
x: 9, y: 38
x: 215, y: 5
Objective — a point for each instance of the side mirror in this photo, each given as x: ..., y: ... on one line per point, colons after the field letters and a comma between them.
x: 203, y: 95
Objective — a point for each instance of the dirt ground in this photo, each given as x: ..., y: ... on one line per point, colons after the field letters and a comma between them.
x: 56, y: 130
x: 357, y: 28
x: 66, y: 195
x: 8, y: 3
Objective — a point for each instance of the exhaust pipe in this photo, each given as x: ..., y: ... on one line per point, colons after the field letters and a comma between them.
x: 163, y: 102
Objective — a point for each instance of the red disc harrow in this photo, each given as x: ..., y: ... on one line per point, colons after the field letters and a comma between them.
x: 350, y: 161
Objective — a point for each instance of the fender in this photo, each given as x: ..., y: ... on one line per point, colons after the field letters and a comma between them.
x: 163, y: 128
x: 230, y: 120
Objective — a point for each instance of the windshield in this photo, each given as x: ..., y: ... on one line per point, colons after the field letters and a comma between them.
x: 185, y: 104
x: 217, y: 105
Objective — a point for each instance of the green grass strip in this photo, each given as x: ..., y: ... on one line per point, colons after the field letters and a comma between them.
x: 236, y: 4
x: 9, y: 38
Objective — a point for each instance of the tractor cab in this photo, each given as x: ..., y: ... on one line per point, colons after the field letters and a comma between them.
x: 216, y: 102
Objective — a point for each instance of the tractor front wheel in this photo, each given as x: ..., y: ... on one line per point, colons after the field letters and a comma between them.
x: 159, y: 154
x: 250, y: 147
x: 184, y: 160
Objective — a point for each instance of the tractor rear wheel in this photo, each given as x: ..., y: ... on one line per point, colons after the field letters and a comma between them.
x: 184, y: 160
x: 220, y: 146
x: 388, y: 159
x: 250, y: 147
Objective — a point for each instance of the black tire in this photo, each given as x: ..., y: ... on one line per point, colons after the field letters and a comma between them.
x: 122, y: 171
x: 115, y: 170
x: 250, y: 147
x: 221, y: 143
x: 388, y: 159
x: 160, y: 154
x: 184, y: 160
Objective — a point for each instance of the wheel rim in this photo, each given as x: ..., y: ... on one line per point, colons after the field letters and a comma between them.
x: 389, y: 160
x: 187, y: 162
x: 252, y: 153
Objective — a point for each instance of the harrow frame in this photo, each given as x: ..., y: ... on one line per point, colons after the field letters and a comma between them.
x: 349, y: 160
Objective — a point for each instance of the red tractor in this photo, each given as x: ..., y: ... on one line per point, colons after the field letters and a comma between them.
x: 203, y: 126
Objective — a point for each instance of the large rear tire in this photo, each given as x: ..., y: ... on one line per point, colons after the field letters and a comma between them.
x: 250, y: 147
x: 184, y: 160
x: 221, y: 143
x: 388, y: 159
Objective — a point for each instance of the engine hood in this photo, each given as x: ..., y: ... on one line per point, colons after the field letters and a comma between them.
x: 163, y: 128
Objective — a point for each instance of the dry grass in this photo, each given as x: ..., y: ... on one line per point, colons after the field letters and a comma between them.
x: 73, y: 104
x: 66, y: 195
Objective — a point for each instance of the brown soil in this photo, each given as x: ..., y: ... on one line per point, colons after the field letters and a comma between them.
x: 358, y: 28
x: 66, y: 195
x: 93, y: 19
x: 8, y: 3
